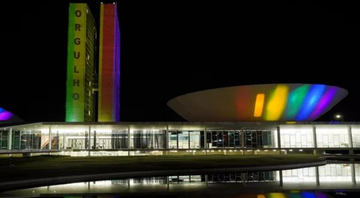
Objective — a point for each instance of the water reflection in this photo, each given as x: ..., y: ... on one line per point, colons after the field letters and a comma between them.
x: 319, y: 179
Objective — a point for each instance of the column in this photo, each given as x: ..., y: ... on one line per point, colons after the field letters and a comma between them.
x: 317, y: 176
x: 166, y: 140
x: 205, y: 139
x: 281, y: 178
x: 206, y: 180
x: 129, y: 143
x: 49, y: 137
x: 89, y: 143
x: 94, y: 139
x: 64, y: 146
x: 242, y: 134
x: 351, y: 146
x: 353, y: 174
x: 315, y: 140
x: 177, y: 139
x: 58, y: 140
x: 205, y: 142
x: 10, y: 139
x: 188, y: 139
x: 167, y: 183
x: 129, y: 139
x: 278, y: 140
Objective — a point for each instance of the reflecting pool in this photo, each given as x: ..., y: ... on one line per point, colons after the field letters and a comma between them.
x: 331, y: 180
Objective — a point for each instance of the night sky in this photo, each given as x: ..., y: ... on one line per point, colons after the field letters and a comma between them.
x: 170, y: 48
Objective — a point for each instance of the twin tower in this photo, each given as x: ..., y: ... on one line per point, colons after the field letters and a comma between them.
x: 93, y: 65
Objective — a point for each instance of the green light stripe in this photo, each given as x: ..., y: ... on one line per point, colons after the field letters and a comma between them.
x: 70, y: 64
x: 295, y: 101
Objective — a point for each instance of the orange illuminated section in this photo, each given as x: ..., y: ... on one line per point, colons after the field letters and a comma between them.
x: 277, y: 103
x: 259, y: 105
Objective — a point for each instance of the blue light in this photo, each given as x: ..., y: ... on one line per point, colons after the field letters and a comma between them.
x: 310, y: 102
x: 1, y: 110
x: 308, y: 195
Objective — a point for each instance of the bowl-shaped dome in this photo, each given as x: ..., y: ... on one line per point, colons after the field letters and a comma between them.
x: 267, y: 102
x: 8, y: 117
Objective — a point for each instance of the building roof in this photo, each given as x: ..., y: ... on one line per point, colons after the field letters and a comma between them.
x: 264, y: 102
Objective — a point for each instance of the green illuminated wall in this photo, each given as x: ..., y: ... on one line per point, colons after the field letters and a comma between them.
x: 80, y: 65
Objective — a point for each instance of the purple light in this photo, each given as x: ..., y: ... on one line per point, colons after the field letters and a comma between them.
x: 117, y: 67
x: 324, y: 102
x: 5, y: 115
x: 320, y: 195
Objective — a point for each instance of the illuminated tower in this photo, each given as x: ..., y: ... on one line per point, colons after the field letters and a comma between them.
x: 109, y: 65
x: 80, y: 103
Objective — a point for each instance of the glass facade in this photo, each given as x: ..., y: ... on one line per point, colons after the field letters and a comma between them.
x: 297, y: 137
x: 356, y: 136
x: 334, y: 137
x: 340, y: 173
x: 148, y: 139
x: 3, y: 140
x: 129, y: 138
x: 303, y: 175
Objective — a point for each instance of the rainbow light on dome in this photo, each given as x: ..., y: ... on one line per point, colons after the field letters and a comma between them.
x: 277, y: 103
x: 259, y: 105
x: 310, y: 101
x: 5, y: 115
x: 295, y: 100
x: 324, y: 102
x: 297, y: 103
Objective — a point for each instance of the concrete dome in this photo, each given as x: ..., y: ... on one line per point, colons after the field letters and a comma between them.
x: 264, y: 102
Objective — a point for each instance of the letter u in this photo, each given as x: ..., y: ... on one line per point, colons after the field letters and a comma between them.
x: 77, y: 55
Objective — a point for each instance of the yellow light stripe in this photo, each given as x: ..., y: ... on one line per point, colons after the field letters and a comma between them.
x: 277, y: 103
x: 259, y: 105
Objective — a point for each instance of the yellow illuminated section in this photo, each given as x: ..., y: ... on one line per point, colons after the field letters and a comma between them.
x: 277, y: 195
x: 261, y: 196
x: 277, y: 103
x: 259, y: 105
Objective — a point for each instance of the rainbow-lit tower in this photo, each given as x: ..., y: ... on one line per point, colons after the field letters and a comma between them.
x: 109, y: 65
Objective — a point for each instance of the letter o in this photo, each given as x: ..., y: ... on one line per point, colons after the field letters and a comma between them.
x: 76, y: 96
x: 78, y: 13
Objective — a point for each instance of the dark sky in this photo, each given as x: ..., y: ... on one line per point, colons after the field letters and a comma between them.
x: 170, y: 48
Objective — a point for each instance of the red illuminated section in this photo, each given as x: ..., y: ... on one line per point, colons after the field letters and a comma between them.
x: 107, y: 63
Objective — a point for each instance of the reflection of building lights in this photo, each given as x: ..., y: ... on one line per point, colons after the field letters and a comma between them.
x: 266, y: 150
x: 290, y: 150
x: 274, y: 150
x: 300, y: 150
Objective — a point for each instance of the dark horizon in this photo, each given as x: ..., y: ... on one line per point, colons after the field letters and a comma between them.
x: 169, y: 49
